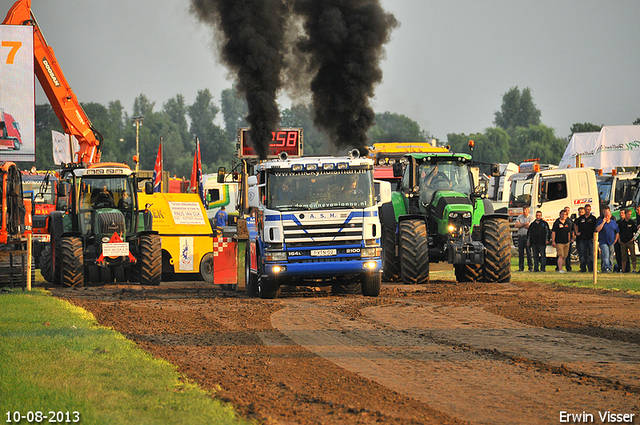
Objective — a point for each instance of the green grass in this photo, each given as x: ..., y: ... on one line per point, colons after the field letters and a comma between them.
x: 609, y: 281
x: 55, y: 357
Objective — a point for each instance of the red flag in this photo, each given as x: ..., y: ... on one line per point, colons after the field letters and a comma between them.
x: 195, y: 185
x: 157, y: 171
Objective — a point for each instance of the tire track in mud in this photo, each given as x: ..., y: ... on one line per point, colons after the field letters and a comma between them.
x: 469, y: 363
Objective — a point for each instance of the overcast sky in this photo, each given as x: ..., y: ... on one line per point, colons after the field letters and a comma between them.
x: 447, y: 66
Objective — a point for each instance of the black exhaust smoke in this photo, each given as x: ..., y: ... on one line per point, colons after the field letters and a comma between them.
x: 339, y: 54
x: 252, y: 44
x: 344, y: 40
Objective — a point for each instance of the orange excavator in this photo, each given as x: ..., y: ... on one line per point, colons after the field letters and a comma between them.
x: 64, y: 102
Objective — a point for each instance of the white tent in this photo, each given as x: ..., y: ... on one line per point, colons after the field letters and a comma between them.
x: 613, y: 146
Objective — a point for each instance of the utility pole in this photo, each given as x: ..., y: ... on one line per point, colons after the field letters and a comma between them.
x: 137, y: 121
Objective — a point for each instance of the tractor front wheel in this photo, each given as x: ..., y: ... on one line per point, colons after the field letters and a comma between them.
x: 72, y: 261
x: 150, y: 261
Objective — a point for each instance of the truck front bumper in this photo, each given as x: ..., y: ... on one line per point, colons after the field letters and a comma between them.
x: 323, y: 269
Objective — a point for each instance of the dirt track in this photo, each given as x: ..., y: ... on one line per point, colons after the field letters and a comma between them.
x: 441, y: 353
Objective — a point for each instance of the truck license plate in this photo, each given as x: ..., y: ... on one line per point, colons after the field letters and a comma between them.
x: 323, y: 252
x: 117, y: 249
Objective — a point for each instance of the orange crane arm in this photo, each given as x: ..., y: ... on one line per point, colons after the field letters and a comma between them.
x: 64, y: 102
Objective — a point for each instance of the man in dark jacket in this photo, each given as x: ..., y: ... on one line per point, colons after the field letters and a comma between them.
x: 585, y: 226
x: 537, y: 238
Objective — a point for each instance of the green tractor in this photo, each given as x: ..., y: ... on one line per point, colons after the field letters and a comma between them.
x: 437, y: 215
x: 98, y: 232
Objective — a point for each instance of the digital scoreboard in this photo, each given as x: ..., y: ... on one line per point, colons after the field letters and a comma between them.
x: 287, y: 140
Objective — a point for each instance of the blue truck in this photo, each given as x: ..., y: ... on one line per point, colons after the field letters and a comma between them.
x: 316, y: 224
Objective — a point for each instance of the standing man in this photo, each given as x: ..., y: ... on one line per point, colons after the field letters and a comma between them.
x: 567, y: 260
x: 221, y: 220
x: 560, y: 237
x: 537, y: 238
x: 522, y: 224
x: 627, y: 243
x: 585, y: 227
x: 609, y: 234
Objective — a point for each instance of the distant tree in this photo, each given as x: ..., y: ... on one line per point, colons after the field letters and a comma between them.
x: 46, y: 120
x: 586, y: 127
x: 518, y: 110
x: 142, y: 106
x: 316, y: 142
x: 393, y: 127
x: 234, y: 111
x: 216, y: 147
x: 537, y: 141
x: 176, y: 112
x: 489, y: 147
x: 637, y: 122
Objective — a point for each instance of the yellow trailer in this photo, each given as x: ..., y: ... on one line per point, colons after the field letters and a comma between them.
x: 187, y: 238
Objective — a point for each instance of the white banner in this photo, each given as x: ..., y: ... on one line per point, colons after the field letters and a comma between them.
x: 17, y: 98
x: 613, y: 146
x: 62, y: 151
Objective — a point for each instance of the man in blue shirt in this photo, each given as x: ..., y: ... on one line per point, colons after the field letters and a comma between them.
x: 221, y: 220
x: 609, y: 234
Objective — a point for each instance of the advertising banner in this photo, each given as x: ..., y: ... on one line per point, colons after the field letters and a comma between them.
x: 17, y: 129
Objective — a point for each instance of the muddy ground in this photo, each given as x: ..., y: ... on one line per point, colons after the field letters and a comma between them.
x: 442, y: 353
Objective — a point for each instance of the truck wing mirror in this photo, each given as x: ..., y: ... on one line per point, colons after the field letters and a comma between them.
x: 253, y: 195
x: 221, y: 173
x: 148, y: 188
x: 397, y: 169
x: 61, y: 189
x: 495, y: 170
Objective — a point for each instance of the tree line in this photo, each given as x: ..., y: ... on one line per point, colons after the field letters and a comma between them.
x: 518, y: 133
x: 179, y: 125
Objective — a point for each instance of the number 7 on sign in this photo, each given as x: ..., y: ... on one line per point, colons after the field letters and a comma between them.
x: 15, y: 45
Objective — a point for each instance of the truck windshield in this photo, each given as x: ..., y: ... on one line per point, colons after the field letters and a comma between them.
x: 100, y: 192
x: 520, y: 195
x: 287, y: 191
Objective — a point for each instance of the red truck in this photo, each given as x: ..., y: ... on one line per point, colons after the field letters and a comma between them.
x: 9, y: 132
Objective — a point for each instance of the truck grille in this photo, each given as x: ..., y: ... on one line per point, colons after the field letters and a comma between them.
x: 299, y: 235
x: 111, y: 222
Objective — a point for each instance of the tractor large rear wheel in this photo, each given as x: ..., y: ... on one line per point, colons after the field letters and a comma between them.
x: 150, y: 261
x: 414, y: 252
x: 72, y: 261
x: 497, y: 242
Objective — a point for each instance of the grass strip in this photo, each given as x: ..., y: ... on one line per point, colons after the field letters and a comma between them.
x: 608, y: 281
x: 56, y: 357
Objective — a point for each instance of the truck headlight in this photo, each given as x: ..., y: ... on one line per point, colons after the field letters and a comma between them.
x: 453, y: 214
x: 275, y: 256
x: 370, y: 252
x: 452, y: 228
x: 466, y: 215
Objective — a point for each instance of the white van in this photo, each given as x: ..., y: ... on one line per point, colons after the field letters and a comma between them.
x: 550, y: 191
